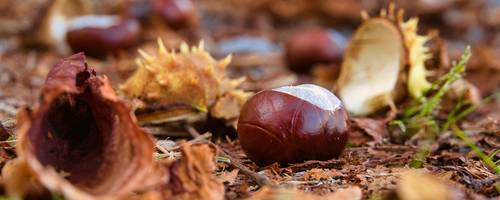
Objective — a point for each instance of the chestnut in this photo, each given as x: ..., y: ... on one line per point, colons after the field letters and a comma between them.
x: 315, y: 46
x: 293, y: 123
x: 101, y: 35
x: 177, y: 14
x: 140, y: 10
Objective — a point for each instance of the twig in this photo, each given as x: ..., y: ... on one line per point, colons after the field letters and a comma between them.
x: 260, y: 179
x: 200, y: 138
x: 191, y: 130
x: 316, y: 164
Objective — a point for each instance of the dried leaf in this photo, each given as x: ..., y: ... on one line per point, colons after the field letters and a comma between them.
x: 228, y: 177
x: 317, y: 174
x: 82, y: 141
x: 267, y: 193
x: 191, y: 176
x: 376, y: 128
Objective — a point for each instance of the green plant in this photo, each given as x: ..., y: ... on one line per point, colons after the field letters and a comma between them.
x: 487, y: 160
x: 421, y: 114
x: 462, y: 109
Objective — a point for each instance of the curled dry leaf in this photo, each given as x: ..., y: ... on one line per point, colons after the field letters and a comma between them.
x: 81, y: 140
x: 184, y: 83
x: 376, y: 128
x: 374, y: 70
x: 191, y: 176
x: 268, y: 193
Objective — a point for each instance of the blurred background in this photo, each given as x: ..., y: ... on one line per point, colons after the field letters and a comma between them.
x: 265, y: 37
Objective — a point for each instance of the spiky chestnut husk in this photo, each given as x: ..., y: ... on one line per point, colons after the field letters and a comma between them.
x: 374, y: 68
x: 189, y: 81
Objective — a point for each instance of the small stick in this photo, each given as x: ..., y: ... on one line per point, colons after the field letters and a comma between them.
x: 260, y: 179
x: 203, y: 137
x: 192, y: 131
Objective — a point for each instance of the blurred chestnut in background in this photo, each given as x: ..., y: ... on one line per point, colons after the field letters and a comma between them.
x: 177, y: 14
x: 100, y: 35
x: 140, y: 10
x: 293, y: 123
x: 316, y: 46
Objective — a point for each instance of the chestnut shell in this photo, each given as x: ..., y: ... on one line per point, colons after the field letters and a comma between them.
x: 99, y: 41
x: 278, y: 127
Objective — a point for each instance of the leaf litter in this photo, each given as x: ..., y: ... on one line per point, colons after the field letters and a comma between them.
x: 215, y: 167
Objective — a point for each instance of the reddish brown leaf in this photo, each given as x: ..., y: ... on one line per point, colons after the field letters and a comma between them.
x: 374, y: 127
x: 191, y: 177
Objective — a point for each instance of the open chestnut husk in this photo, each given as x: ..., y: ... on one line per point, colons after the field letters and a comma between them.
x: 308, y: 48
x: 292, y: 124
x: 81, y: 140
x: 384, y: 61
x: 101, y: 35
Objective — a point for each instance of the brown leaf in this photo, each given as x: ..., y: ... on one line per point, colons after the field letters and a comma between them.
x: 81, y: 140
x: 229, y: 177
x: 374, y: 127
x: 267, y: 193
x: 191, y: 176
x: 317, y: 174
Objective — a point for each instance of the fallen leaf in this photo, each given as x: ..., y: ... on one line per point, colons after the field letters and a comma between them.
x: 228, y: 177
x: 376, y: 128
x: 317, y: 174
x: 191, y: 177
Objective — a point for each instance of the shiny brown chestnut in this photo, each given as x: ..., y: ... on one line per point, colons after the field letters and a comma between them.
x: 293, y: 123
x: 316, y: 46
x: 177, y: 14
x: 140, y: 10
x: 100, y: 35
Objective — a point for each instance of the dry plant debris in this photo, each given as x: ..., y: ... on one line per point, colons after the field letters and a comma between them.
x: 142, y: 160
